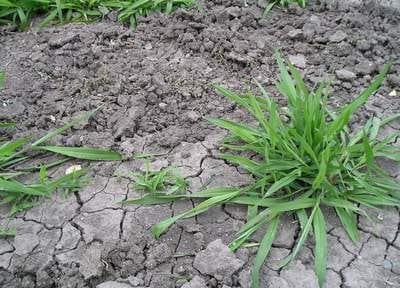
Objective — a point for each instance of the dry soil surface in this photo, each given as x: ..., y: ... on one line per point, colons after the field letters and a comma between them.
x: 153, y: 85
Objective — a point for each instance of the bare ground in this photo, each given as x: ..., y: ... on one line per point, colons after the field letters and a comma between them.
x: 154, y: 85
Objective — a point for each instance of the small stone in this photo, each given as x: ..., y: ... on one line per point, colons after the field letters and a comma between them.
x: 9, y: 111
x: 298, y: 60
x: 394, y: 80
x: 193, y: 116
x: 59, y: 41
x: 148, y: 46
x: 162, y: 105
x: 296, y: 34
x: 365, y: 68
x: 345, y: 75
x: 393, y: 93
x: 338, y: 36
x: 233, y: 11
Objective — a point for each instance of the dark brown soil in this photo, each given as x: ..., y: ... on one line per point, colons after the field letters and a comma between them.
x: 154, y: 87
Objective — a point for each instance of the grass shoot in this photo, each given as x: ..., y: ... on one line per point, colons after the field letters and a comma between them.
x: 167, y: 181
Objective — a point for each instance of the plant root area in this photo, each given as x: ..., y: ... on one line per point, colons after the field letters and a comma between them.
x: 153, y: 87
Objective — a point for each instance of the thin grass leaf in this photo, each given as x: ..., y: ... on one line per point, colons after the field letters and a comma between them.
x: 283, y: 182
x: 303, y: 237
x: 349, y: 223
x: 321, y: 247
x: 263, y: 250
x: 344, y: 117
x: 84, y: 153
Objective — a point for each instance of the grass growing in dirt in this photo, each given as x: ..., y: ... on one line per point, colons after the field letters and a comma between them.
x: 299, y: 166
x: 20, y: 12
x: 165, y: 180
x: 16, y: 154
x: 283, y: 3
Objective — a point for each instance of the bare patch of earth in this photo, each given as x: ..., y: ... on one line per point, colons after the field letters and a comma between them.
x: 154, y: 88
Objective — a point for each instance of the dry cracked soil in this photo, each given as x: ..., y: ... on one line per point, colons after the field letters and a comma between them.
x: 153, y: 84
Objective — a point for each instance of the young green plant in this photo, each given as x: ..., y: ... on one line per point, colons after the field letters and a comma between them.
x: 167, y: 181
x: 20, y: 13
x: 302, y: 164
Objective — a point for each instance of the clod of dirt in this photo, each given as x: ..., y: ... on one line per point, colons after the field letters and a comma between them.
x: 196, y: 282
x: 218, y: 261
x: 338, y: 36
x: 345, y: 75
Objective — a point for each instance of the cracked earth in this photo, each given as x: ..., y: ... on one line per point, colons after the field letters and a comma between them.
x: 154, y: 86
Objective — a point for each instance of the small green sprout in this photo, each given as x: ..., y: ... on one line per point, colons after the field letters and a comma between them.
x: 166, y: 180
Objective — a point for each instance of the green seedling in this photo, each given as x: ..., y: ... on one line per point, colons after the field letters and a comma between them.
x: 283, y: 3
x: 305, y: 163
x: 20, y: 12
x: 166, y: 181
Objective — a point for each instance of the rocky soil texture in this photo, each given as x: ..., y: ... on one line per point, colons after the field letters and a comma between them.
x: 154, y: 85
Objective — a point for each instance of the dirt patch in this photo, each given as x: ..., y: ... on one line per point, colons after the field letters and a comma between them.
x: 154, y: 88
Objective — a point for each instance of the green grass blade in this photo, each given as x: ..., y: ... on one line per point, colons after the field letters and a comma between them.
x: 283, y: 182
x: 302, y: 238
x: 263, y: 251
x: 344, y: 117
x: 321, y: 247
x: 349, y: 223
x: 84, y: 153
x: 15, y: 187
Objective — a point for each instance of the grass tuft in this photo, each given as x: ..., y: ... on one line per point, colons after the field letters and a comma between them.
x: 166, y: 181
x: 283, y: 3
x: 20, y: 12
x: 300, y: 165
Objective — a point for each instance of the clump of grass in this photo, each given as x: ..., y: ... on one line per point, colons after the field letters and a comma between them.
x: 20, y: 12
x: 310, y: 161
x: 7, y: 232
x: 167, y: 181
x: 16, y: 153
x: 283, y: 3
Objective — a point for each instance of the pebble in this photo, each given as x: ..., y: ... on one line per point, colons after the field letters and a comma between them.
x: 394, y: 80
x: 338, y: 36
x: 345, y: 75
x: 193, y: 116
x: 162, y: 105
x: 296, y: 34
x: 298, y: 60
x: 365, y: 68
x: 363, y: 45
